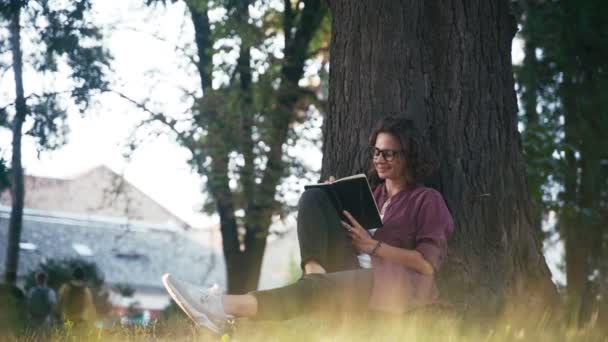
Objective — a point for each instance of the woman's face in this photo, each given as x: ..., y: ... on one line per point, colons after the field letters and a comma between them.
x: 388, y: 158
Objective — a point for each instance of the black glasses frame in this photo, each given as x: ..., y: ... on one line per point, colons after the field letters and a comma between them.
x: 388, y: 155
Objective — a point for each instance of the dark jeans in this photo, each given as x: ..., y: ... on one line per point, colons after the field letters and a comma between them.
x: 346, y: 287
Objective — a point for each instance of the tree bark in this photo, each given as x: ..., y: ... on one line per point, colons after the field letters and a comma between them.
x: 17, y: 190
x: 448, y: 67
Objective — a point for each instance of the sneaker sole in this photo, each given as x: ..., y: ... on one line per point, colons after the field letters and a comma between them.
x: 179, y: 300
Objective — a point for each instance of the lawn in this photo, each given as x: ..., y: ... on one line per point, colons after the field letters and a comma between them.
x: 345, y: 328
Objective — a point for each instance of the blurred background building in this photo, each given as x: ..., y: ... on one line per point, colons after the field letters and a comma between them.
x: 100, y: 217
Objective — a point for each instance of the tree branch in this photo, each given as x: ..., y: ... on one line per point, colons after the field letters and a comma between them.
x: 5, y: 69
x: 50, y: 94
x: 186, y: 139
x: 287, y: 20
x: 291, y: 72
x: 202, y: 33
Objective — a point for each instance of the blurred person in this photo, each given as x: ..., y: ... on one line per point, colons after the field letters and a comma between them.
x: 41, y: 302
x: 76, y: 300
x: 406, y: 251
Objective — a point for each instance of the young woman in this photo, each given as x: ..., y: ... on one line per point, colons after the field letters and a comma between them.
x: 405, y: 252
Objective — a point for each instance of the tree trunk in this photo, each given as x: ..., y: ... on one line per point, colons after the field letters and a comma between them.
x: 576, y: 249
x: 244, y: 258
x: 17, y: 191
x: 447, y: 67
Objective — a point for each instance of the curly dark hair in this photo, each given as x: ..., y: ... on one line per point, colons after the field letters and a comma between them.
x: 420, y: 159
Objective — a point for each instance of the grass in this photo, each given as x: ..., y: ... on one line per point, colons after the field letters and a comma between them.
x: 425, y: 327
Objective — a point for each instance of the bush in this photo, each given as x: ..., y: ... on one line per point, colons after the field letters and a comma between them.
x: 12, y: 309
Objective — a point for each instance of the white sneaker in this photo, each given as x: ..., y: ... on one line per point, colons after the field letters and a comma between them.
x: 203, y: 305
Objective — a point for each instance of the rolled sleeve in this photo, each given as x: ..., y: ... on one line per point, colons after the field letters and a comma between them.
x: 432, y: 252
x: 435, y: 226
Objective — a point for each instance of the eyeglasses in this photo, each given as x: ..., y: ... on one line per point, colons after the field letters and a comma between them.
x: 388, y: 155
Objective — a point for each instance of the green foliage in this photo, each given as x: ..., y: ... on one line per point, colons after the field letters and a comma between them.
x: 564, y: 112
x: 243, y: 125
x: 250, y: 105
x: 13, y: 314
x: 564, y: 74
x: 294, y: 270
x: 320, y: 42
x: 63, y: 35
x: 49, y: 127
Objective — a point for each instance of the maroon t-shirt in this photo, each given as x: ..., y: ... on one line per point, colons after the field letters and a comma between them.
x: 415, y: 218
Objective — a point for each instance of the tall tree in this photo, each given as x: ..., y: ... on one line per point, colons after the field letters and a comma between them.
x: 448, y: 67
x: 241, y: 128
x: 61, y: 34
x: 563, y: 75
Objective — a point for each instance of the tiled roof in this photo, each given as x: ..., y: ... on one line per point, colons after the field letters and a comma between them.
x: 137, y: 255
x: 98, y: 191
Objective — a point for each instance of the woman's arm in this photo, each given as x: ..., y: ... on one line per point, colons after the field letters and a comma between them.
x: 364, y: 243
x: 406, y: 257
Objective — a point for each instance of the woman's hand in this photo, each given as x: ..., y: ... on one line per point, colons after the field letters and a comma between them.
x: 363, y: 242
x: 360, y: 238
x: 330, y: 180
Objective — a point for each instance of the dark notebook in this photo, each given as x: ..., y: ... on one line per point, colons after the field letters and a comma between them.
x: 354, y: 195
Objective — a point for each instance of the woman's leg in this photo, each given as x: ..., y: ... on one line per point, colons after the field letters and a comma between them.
x: 245, y: 305
x: 322, y: 239
x: 335, y: 292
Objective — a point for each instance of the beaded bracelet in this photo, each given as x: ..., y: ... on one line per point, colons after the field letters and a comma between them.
x: 375, y: 248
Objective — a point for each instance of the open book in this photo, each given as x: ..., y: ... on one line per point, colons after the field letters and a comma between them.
x: 354, y: 195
